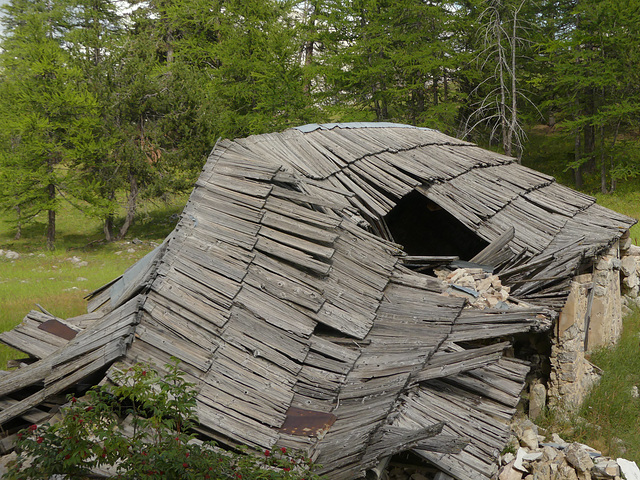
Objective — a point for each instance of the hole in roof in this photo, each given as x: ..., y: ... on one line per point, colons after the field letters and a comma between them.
x: 424, y: 228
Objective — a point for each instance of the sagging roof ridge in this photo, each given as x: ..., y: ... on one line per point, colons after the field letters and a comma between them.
x: 310, y: 127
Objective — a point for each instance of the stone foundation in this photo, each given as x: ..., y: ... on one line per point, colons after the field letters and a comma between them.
x: 591, y: 318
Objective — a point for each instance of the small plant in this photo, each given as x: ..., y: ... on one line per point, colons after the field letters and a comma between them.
x: 154, y: 441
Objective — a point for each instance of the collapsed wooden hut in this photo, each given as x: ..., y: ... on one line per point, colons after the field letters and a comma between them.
x: 297, y: 291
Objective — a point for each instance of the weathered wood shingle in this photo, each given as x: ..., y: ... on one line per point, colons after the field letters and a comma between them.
x: 282, y: 293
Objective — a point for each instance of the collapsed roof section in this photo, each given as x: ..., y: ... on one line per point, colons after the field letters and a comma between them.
x: 291, y: 308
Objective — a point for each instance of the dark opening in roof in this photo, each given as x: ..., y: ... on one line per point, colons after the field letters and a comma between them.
x: 424, y: 228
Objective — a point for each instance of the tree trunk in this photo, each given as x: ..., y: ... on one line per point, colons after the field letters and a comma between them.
x: 109, y: 224
x: 435, y: 89
x: 18, y: 234
x: 514, y: 98
x: 590, y: 134
x: 51, y: 227
x: 445, y: 83
x: 108, y: 228
x: 603, y: 166
x: 506, y: 146
x: 577, y: 171
x: 132, y: 204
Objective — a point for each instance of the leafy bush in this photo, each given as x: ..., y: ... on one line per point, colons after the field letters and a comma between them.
x: 154, y: 441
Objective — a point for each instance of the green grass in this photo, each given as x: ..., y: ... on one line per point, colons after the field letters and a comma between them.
x: 52, y: 280
x: 609, y: 419
x: 625, y: 201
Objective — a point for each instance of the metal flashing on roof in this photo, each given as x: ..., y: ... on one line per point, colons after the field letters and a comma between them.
x: 330, y: 126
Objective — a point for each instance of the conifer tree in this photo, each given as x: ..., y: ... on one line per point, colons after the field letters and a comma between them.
x: 50, y: 119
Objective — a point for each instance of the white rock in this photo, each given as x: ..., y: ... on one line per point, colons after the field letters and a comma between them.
x: 555, y: 438
x: 578, y: 456
x: 607, y: 468
x: 631, y: 281
x: 628, y: 265
x: 532, y: 456
x: 634, y: 250
x: 517, y: 463
x: 529, y: 439
x: 11, y: 255
x: 628, y: 468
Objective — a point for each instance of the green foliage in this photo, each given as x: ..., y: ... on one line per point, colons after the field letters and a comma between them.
x: 389, y: 60
x: 595, y: 86
x: 50, y: 116
x: 159, y: 444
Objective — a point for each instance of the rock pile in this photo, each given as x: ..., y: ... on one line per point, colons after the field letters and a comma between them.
x: 531, y: 458
x: 480, y: 288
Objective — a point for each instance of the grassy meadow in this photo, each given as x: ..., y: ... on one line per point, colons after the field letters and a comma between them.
x: 59, y: 280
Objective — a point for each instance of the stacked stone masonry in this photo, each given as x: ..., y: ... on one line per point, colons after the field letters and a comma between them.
x: 592, y: 318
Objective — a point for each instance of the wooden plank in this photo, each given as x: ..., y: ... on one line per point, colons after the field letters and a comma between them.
x: 301, y: 213
x: 254, y: 410
x: 304, y: 230
x: 28, y: 344
x: 286, y: 343
x: 292, y: 255
x: 80, y: 372
x: 344, y: 322
x: 327, y: 347
x: 205, y: 281
x: 274, y: 311
x: 284, y: 288
x: 235, y: 426
x: 291, y: 272
x: 240, y: 185
x: 230, y: 205
x: 489, y: 252
x: 297, y: 243
x: 303, y: 198
x: 238, y: 337
x: 217, y: 191
x: 193, y: 303
x: 181, y: 322
x: 446, y: 364
x: 187, y: 351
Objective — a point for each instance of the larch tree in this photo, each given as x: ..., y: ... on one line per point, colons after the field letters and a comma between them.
x: 51, y: 116
x: 596, y: 87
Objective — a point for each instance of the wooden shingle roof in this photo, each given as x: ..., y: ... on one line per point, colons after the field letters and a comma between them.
x: 290, y: 307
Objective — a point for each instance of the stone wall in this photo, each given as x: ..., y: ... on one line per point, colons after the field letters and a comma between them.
x: 591, y: 318
x: 630, y: 272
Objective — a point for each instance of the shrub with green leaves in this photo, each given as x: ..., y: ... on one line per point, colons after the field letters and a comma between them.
x: 155, y: 440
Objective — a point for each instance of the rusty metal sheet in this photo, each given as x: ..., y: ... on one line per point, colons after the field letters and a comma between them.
x: 307, y: 423
x: 58, y: 329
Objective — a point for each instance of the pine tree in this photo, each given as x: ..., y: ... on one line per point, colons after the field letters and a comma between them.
x: 51, y: 117
x: 596, y: 86
x: 390, y: 60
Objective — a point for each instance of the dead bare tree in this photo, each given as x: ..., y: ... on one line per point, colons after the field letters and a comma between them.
x: 498, y: 108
